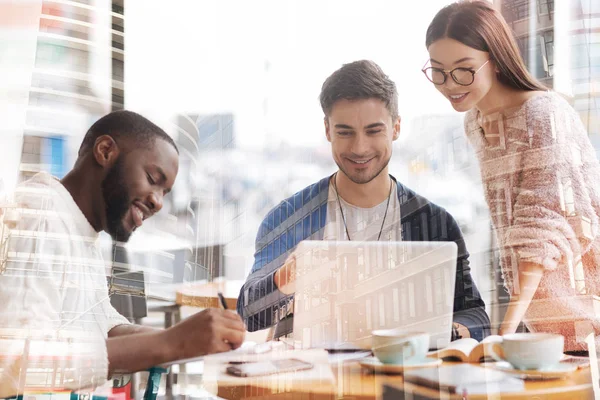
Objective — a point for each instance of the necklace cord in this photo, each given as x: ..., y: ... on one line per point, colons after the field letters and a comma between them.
x: 342, y: 211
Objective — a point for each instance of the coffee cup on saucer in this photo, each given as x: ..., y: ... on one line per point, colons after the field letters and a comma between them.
x: 396, y: 346
x: 529, y: 351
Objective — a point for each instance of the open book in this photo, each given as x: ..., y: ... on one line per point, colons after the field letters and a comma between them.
x: 471, y: 351
x: 468, y: 350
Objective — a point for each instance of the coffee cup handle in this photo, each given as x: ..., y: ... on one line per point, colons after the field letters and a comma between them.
x: 496, y: 351
x: 411, y: 347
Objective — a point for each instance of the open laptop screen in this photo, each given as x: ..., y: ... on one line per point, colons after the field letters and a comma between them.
x: 344, y: 290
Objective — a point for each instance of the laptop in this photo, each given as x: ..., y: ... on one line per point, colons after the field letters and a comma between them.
x: 344, y: 290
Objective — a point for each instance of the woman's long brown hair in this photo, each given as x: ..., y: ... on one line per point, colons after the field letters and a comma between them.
x: 478, y: 25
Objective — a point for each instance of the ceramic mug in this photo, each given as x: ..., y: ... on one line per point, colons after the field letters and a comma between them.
x: 529, y: 350
x: 396, y: 346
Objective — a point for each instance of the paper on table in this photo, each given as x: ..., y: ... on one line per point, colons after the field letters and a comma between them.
x: 245, y: 348
x: 335, y: 358
x: 465, y: 378
x: 507, y: 385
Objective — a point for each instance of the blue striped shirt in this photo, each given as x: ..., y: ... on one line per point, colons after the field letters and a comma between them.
x: 302, y: 217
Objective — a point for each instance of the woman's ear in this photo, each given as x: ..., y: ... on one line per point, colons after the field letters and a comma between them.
x: 496, y: 67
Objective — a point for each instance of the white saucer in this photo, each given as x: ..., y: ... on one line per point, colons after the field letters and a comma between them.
x: 557, y: 371
x: 373, y: 364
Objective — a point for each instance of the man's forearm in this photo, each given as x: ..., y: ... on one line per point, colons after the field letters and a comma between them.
x: 138, y: 351
x: 254, y: 299
x: 126, y: 329
x: 207, y: 332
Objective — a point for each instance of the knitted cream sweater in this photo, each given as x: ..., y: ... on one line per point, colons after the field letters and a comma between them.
x: 541, y: 180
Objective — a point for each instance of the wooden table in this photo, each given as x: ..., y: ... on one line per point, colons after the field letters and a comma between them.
x: 204, y: 294
x: 352, y: 382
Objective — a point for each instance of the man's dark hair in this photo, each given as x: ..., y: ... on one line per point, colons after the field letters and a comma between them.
x: 359, y: 80
x: 124, y: 125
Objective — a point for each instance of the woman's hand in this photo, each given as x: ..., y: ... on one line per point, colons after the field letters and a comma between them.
x: 530, y: 276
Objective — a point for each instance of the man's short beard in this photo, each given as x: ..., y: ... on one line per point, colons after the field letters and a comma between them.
x: 116, y: 200
x: 364, y: 181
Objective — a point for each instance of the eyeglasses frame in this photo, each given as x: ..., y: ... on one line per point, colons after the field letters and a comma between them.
x: 446, y: 73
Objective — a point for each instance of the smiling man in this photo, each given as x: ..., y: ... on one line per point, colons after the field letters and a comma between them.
x: 360, y: 201
x: 54, y: 302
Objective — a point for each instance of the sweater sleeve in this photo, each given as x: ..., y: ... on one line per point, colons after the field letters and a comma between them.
x: 553, y: 217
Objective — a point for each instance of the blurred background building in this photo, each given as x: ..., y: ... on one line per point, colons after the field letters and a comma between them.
x: 561, y: 45
x: 78, y: 76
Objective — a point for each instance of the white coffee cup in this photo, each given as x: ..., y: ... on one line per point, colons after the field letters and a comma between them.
x: 397, y: 346
x: 530, y: 350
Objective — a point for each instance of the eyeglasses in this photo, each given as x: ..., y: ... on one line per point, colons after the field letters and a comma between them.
x: 462, y: 76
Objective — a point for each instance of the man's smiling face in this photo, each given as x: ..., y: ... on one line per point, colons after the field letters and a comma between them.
x: 134, y: 188
x: 361, y: 133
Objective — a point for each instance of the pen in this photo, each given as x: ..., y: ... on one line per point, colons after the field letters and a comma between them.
x: 222, y: 300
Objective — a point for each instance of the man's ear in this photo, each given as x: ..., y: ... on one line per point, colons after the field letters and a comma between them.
x: 106, y: 151
x: 396, y: 129
x: 327, y: 133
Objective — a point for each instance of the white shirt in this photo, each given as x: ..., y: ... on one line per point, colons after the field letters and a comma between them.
x: 55, y: 312
x: 364, y: 224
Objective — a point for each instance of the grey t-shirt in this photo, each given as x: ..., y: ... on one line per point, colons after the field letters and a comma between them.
x: 364, y: 224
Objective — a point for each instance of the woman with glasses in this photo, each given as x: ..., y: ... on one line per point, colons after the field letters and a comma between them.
x: 540, y: 173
